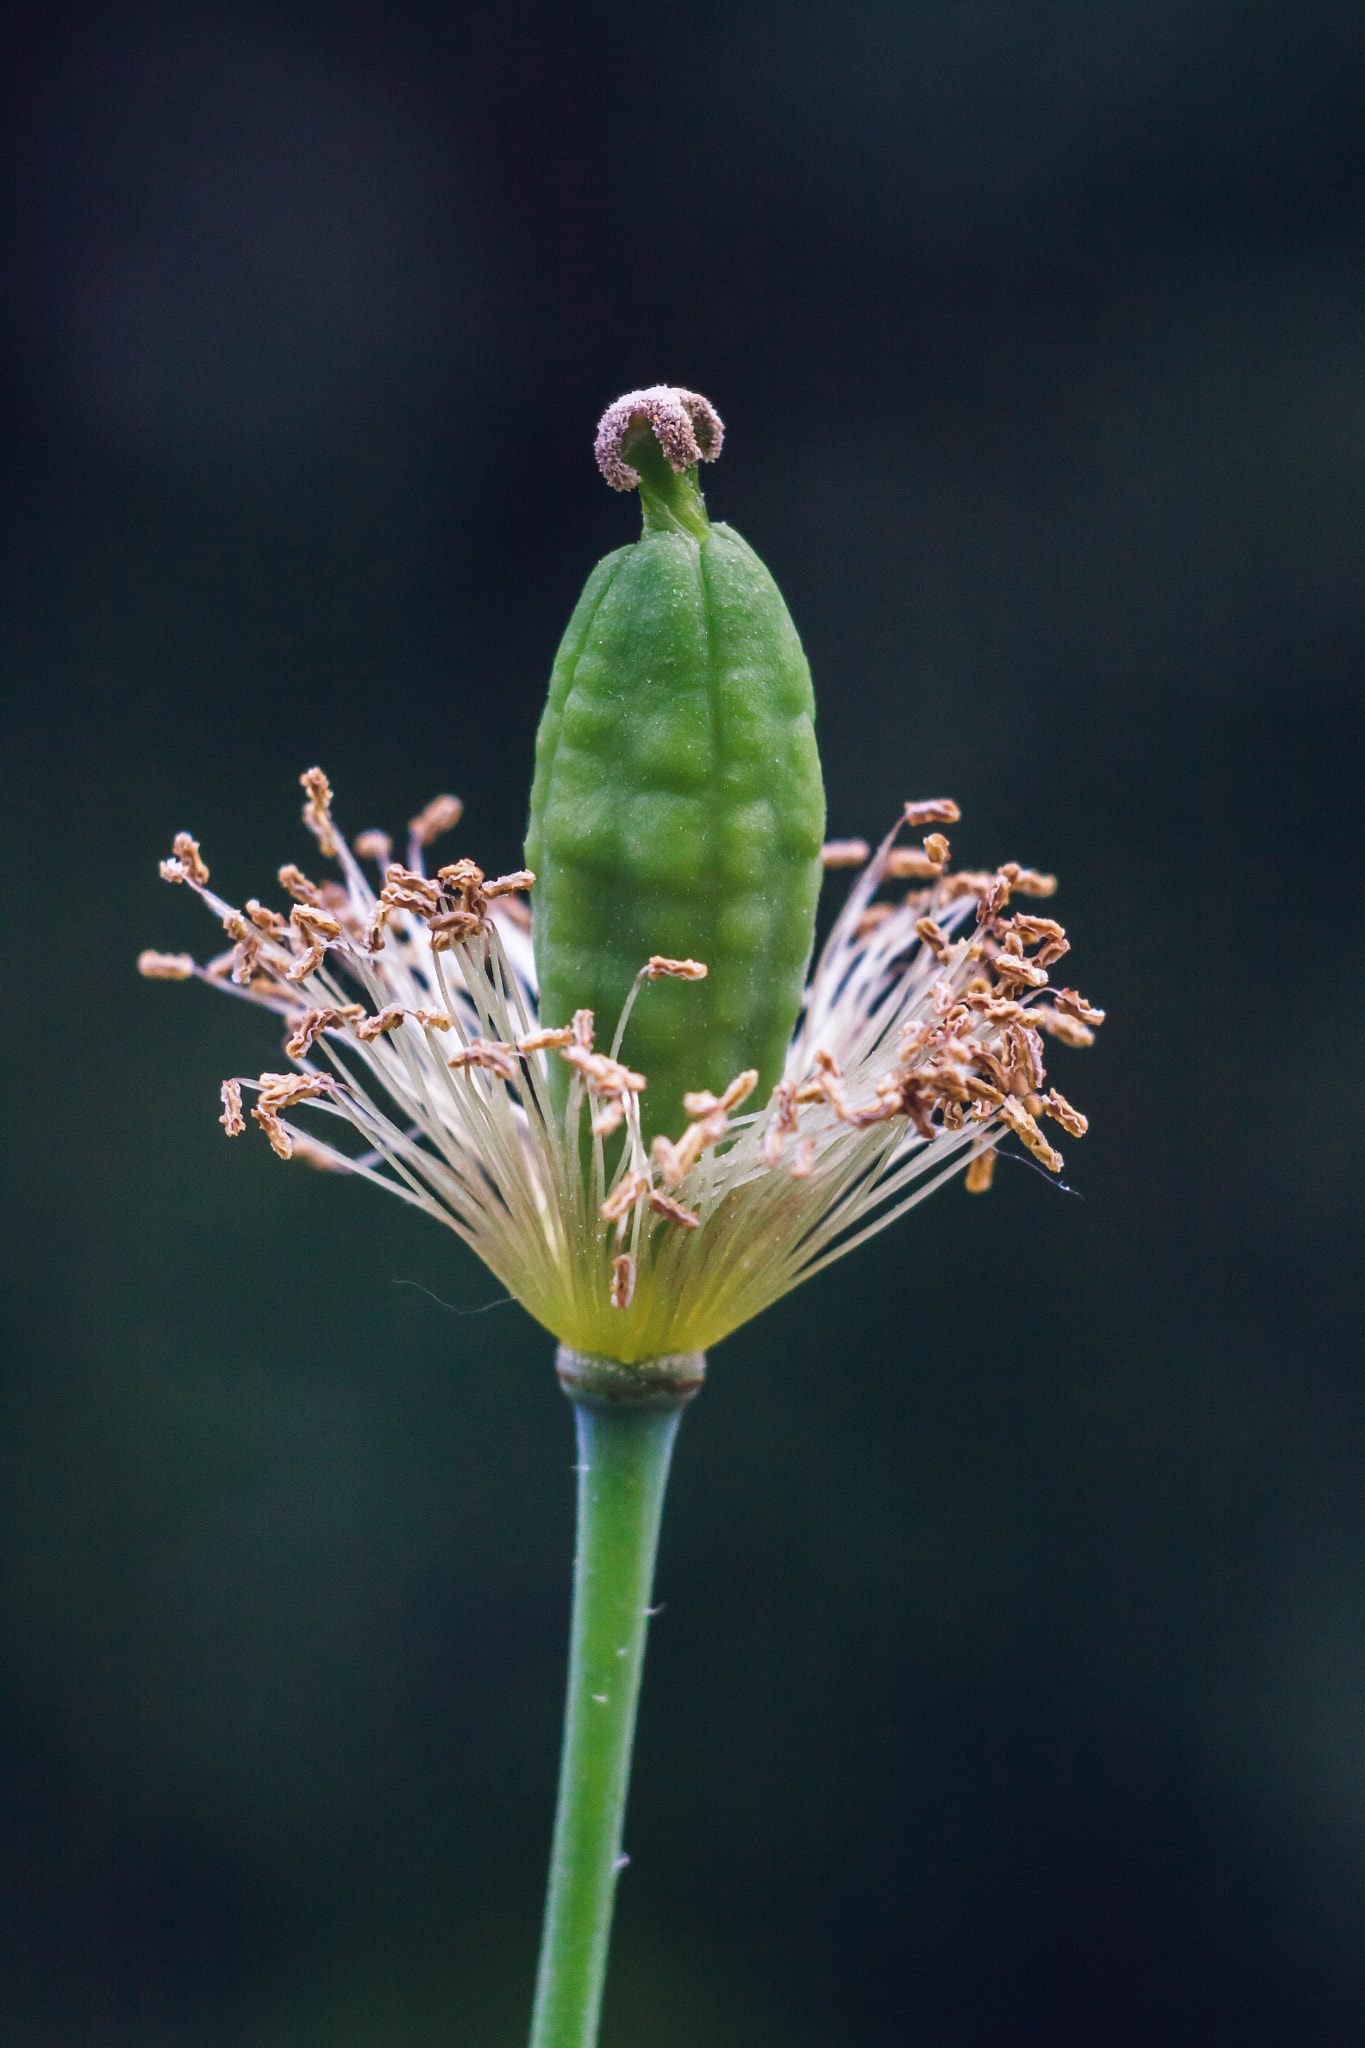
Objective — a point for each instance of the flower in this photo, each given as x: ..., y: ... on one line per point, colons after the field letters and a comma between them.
x: 411, y: 1022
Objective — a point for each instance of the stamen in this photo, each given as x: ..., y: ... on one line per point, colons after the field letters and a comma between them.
x: 313, y: 1023
x: 1023, y: 1125
x: 911, y: 863
x: 1068, y: 1029
x: 1060, y: 1110
x: 622, y: 1280
x: 804, y: 1160
x: 935, y: 938
x: 489, y: 1053
x: 440, y: 815
x: 268, y: 921
x: 680, y: 970
x: 165, y: 966
x: 703, y: 1102
x: 1072, y: 1005
x: 672, y: 1212
x: 232, y: 1120
x: 375, y: 846
x: 624, y: 1196
x: 604, y: 1076
x: 546, y: 1040
x: 939, y: 810
x: 298, y: 885
x: 844, y: 853
x: 317, y: 811
x: 980, y: 1173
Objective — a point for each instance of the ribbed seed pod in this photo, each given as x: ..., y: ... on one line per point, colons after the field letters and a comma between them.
x: 677, y: 808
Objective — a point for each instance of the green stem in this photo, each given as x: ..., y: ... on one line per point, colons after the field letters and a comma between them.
x: 627, y: 1418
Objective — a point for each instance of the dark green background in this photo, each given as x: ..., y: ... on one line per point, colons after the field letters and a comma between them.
x: 1010, y: 1685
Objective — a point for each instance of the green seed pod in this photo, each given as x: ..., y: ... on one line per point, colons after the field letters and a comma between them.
x: 677, y: 807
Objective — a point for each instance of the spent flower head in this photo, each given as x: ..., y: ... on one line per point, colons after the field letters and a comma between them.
x: 414, y: 1049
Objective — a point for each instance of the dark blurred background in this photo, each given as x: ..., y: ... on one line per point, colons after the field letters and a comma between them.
x: 1011, y: 1687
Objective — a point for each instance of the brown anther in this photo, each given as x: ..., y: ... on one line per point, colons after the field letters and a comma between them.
x: 989, y: 1064
x: 165, y: 966
x: 939, y: 810
x: 804, y: 1160
x: 622, y: 1280
x: 437, y: 817
x: 1021, y: 1123
x: 624, y: 1196
x: 609, y: 1119
x: 516, y: 912
x: 313, y: 1023
x: 543, y: 1041
x: 508, y: 885
x: 686, y: 426
x: 982, y: 1091
x: 232, y: 1120
x: 1034, y: 931
x: 1072, y: 1005
x: 781, y: 1121
x: 936, y: 850
x: 703, y: 1102
x: 995, y: 898
x: 463, y: 874
x: 906, y: 863
x: 933, y: 936
x: 1014, y: 974
x: 581, y: 1026
x: 432, y: 1020
x: 387, y: 1019
x: 314, y: 924
x: 457, y: 924
x: 980, y: 1173
x: 268, y: 921
x: 375, y: 846
x: 999, y: 1009
x: 875, y: 915
x: 489, y: 1053
x: 281, y: 1140
x: 1068, y: 1029
x: 317, y: 811
x: 844, y: 853
x: 604, y: 1076
x: 281, y: 1091
x: 675, y: 1162
x: 1028, y: 882
x: 244, y: 961
x: 678, y: 970
x: 673, y: 1212
x: 298, y: 885
x: 186, y: 851
x: 1024, y: 1054
x: 966, y: 882
x: 1055, y: 1105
